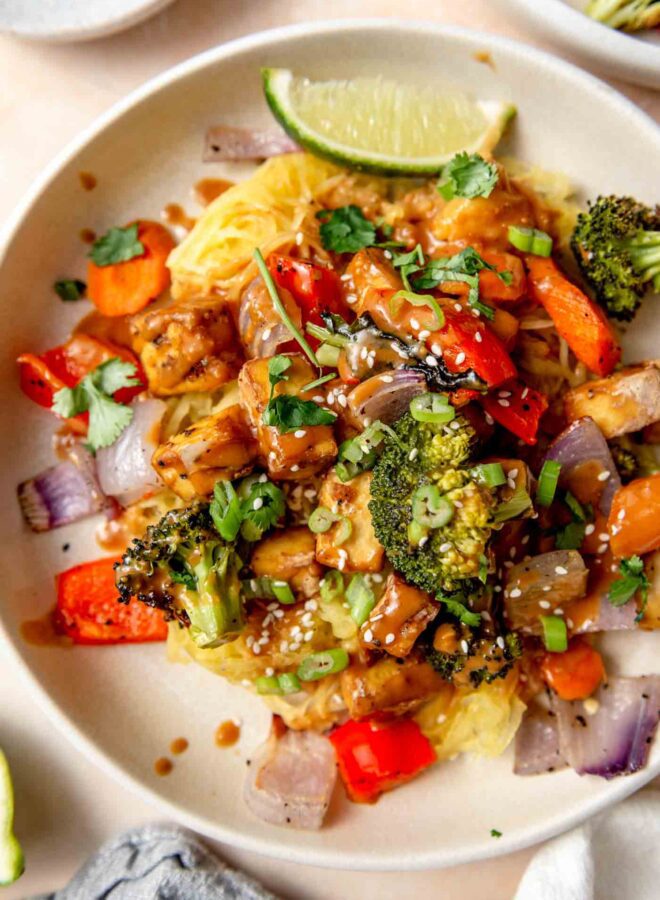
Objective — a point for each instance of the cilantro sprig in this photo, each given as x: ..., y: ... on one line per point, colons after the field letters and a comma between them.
x: 347, y: 230
x: 117, y: 245
x: 257, y: 506
x: 467, y: 175
x: 287, y: 412
x: 107, y: 418
x: 458, y: 608
x: 633, y: 580
x: 571, y: 536
x: 70, y: 289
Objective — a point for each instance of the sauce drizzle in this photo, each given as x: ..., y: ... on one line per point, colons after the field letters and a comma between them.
x: 87, y: 180
x: 178, y: 745
x: 163, y: 766
x: 87, y: 236
x: 206, y: 190
x: 227, y: 733
x: 173, y: 214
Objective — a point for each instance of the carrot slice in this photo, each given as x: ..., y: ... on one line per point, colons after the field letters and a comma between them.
x: 576, y: 673
x: 634, y: 520
x: 125, y: 288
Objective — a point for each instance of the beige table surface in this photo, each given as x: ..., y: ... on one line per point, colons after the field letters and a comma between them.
x: 66, y: 807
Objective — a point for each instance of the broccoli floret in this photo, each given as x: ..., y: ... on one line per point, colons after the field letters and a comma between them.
x: 185, y: 568
x: 447, y: 557
x: 617, y: 246
x: 477, y: 659
x: 627, y: 15
x: 626, y: 463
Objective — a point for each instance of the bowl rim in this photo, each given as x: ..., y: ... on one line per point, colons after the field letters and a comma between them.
x: 277, y: 846
x: 637, y: 62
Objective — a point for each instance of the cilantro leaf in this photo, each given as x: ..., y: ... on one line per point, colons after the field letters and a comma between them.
x: 70, y: 289
x: 107, y: 418
x: 459, y: 609
x: 277, y: 366
x: 117, y: 245
x: 263, y: 508
x: 468, y: 176
x: 346, y: 229
x: 495, y: 833
x: 570, y: 537
x: 632, y: 580
x: 287, y: 413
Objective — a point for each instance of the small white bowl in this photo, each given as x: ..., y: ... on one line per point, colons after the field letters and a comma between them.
x: 122, y: 706
x: 74, y: 20
x: 612, y: 53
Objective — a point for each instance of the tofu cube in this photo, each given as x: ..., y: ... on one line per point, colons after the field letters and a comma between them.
x: 361, y: 551
x: 625, y: 402
x: 399, y: 617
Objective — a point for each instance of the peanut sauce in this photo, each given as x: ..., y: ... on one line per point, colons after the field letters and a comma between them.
x: 113, y: 536
x: 173, y: 214
x: 178, y: 745
x: 163, y: 766
x: 227, y: 733
x: 87, y: 180
x: 114, y: 329
x: 41, y: 633
x: 483, y: 56
x: 87, y: 235
x: 207, y: 190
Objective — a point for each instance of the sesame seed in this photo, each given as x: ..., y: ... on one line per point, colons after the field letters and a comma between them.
x: 464, y: 646
x: 589, y: 529
x: 294, y: 646
x: 431, y: 361
x: 512, y: 552
x: 387, y: 254
x: 602, y: 549
x: 388, y: 379
x: 414, y: 324
x: 504, y: 393
x: 424, y: 334
x: 516, y: 592
x: 497, y: 589
x: 441, y: 718
x: 560, y: 570
x: 249, y: 640
x: 591, y: 706
x: 300, y: 433
x: 437, y: 349
x: 569, y: 622
x: 389, y: 638
x: 345, y: 277
x: 524, y: 393
x: 621, y: 515
x: 460, y: 358
x: 423, y: 541
x: 265, y: 334
x: 503, y: 402
x: 272, y: 455
x: 370, y: 361
x: 278, y: 613
x: 377, y: 577
x: 458, y: 307
x: 246, y: 682
x: 603, y: 476
x: 271, y: 607
x: 299, y: 238
x: 311, y: 605
x: 478, y: 338
x: 413, y: 453
x: 263, y: 640
x: 489, y: 419
x: 508, y: 564
x: 547, y: 588
x: 309, y: 635
x: 559, y: 611
x: 604, y: 537
x: 342, y: 401
x: 544, y: 604
x: 318, y: 398
x: 500, y: 642
x: 256, y: 649
x: 270, y: 671
x: 368, y: 635
x: 258, y: 503
x: 446, y: 547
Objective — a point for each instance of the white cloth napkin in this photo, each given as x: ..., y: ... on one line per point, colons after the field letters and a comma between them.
x: 614, y: 856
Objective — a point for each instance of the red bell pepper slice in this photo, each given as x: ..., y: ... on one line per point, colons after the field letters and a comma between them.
x: 581, y: 323
x: 374, y: 757
x: 89, y: 612
x: 315, y: 288
x: 518, y: 408
x: 468, y: 342
x: 41, y: 376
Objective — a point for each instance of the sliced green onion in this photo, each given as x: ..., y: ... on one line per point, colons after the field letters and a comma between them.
x: 318, y: 665
x: 516, y: 506
x: 434, y: 408
x: 225, y: 510
x: 357, y: 454
x: 575, y: 507
x: 283, y: 593
x: 530, y: 240
x: 430, y: 508
x: 326, y: 336
x: 360, y: 598
x: 267, y: 684
x: 318, y: 382
x: 490, y: 474
x: 289, y: 683
x: 545, y: 492
x: 279, y: 306
x: 555, y: 636
x: 322, y: 520
x: 344, y: 531
x: 416, y: 533
x: 328, y: 355
x: 417, y: 300
x: 332, y: 586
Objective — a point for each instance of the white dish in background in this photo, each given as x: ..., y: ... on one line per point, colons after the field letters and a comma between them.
x: 74, y: 20
x: 123, y: 705
x: 612, y: 53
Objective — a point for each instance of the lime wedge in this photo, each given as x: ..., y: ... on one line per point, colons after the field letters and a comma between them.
x: 383, y: 126
x: 11, y: 855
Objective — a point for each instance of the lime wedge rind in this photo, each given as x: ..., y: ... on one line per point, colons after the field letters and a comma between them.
x: 12, y: 862
x: 279, y: 87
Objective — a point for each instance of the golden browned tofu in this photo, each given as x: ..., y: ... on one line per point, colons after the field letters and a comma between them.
x: 399, y: 617
x: 296, y: 454
x: 388, y: 687
x: 651, y: 618
x: 542, y: 584
x: 289, y: 555
x: 627, y: 401
x: 361, y: 551
x: 185, y: 348
x: 220, y: 446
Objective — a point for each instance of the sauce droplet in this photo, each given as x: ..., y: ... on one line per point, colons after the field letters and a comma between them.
x: 87, y: 236
x: 227, y: 733
x: 207, y: 189
x: 483, y: 56
x: 87, y: 180
x: 178, y: 745
x: 163, y: 766
x: 173, y: 214
x: 41, y: 633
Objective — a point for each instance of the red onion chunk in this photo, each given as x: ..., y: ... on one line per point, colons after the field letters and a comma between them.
x: 224, y: 143
x: 259, y: 324
x: 537, y: 743
x: 291, y: 779
x: 610, y: 618
x: 386, y: 396
x: 63, y: 494
x: 616, y: 739
x: 583, y: 442
x: 124, y: 468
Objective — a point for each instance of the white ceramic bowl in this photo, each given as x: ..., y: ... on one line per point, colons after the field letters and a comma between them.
x: 123, y: 705
x: 615, y: 54
x: 74, y: 20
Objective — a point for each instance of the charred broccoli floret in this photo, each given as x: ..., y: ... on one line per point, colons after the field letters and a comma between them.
x: 472, y: 658
x: 626, y: 15
x: 626, y: 462
x: 617, y: 246
x: 428, y: 512
x: 185, y: 568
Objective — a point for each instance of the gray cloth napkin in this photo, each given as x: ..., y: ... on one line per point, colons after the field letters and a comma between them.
x: 158, y: 862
